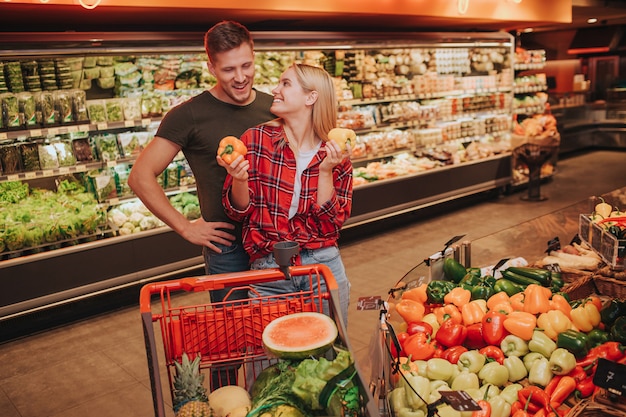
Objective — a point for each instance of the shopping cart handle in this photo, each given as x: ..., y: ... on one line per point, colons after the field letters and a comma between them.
x: 233, y: 279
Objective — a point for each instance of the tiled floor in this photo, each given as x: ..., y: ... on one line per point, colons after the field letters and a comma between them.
x: 97, y: 367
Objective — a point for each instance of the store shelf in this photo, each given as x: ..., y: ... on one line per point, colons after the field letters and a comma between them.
x: 113, y: 261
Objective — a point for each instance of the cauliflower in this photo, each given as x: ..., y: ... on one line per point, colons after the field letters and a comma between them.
x: 136, y: 218
x: 117, y: 217
x: 148, y: 222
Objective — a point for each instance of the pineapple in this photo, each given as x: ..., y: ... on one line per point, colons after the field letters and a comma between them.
x: 190, y: 396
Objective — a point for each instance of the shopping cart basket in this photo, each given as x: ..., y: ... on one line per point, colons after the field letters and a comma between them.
x: 228, y: 334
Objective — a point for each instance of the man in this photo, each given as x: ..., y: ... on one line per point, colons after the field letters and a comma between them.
x: 196, y: 127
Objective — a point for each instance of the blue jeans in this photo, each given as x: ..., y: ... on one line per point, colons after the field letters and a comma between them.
x: 328, y: 256
x: 232, y: 259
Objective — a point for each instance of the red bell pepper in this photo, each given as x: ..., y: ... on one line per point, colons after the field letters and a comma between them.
x: 485, y: 409
x: 451, y: 333
x: 585, y: 388
x: 419, y: 346
x: 549, y: 389
x: 613, y: 351
x: 493, y: 353
x: 534, y: 398
x: 452, y: 353
x: 493, y: 328
x: 578, y: 373
x: 474, y: 339
x: 419, y: 327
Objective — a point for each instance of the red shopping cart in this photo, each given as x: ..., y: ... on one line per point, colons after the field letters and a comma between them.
x: 228, y: 334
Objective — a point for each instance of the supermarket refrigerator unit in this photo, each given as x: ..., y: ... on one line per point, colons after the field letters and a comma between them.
x: 410, y: 97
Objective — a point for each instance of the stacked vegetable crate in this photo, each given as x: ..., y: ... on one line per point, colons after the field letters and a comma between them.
x: 509, y: 337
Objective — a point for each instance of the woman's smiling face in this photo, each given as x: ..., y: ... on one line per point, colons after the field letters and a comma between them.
x: 289, y: 95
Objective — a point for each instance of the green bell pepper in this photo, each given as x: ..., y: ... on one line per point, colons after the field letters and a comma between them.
x: 499, y: 406
x: 540, y: 373
x: 415, y: 384
x: 513, y: 345
x: 464, y: 381
x: 509, y: 287
x: 471, y: 361
x: 618, y: 330
x: 574, y: 341
x: 488, y: 391
x: 439, y: 368
x: 616, y: 308
x: 517, y: 370
x: 435, y: 387
x: 469, y: 281
x: 530, y: 358
x: 541, y: 343
x: 437, y: 290
x: 562, y: 361
x: 397, y: 401
x: 483, y: 290
x: 509, y: 393
x: 597, y: 337
x: 495, y: 374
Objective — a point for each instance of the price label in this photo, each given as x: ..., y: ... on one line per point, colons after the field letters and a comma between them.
x: 30, y: 175
x: 129, y: 123
x: 64, y: 170
x: 48, y: 173
x: 611, y: 376
x: 53, y: 131
x: 35, y: 132
x: 3, y: 136
x: 84, y: 128
x: 81, y: 168
x: 111, y: 164
x: 102, y: 126
x: 72, y: 129
x: 460, y: 400
x: 13, y: 177
x: 145, y: 122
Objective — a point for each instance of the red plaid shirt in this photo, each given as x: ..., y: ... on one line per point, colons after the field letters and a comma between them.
x: 271, y: 178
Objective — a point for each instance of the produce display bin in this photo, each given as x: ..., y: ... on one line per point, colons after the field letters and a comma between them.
x: 228, y: 334
x: 611, y: 249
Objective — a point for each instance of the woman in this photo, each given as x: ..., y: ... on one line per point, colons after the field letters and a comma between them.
x: 294, y: 184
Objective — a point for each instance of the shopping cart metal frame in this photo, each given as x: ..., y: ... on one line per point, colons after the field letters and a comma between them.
x: 222, y: 349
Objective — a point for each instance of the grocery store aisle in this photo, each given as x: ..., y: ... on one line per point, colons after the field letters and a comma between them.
x: 97, y: 366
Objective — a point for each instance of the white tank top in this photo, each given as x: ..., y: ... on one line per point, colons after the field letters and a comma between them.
x: 302, y: 161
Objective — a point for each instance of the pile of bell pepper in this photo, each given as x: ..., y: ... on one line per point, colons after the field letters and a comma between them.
x: 526, y: 352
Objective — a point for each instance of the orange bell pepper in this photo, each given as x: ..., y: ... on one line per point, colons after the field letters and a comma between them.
x: 536, y: 300
x: 521, y: 324
x: 410, y: 310
x: 497, y: 298
x: 558, y: 302
x: 230, y: 148
x: 448, y: 312
x: 473, y: 312
x: 505, y: 308
x: 458, y: 296
x: 517, y: 301
x: 554, y: 322
x: 417, y: 293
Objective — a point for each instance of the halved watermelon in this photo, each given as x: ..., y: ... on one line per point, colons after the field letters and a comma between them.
x: 300, y: 335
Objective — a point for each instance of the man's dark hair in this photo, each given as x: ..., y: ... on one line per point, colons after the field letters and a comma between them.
x: 224, y: 36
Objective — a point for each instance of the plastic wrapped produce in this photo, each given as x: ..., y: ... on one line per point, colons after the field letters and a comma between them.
x: 27, y: 107
x: 132, y: 108
x: 114, y: 110
x: 97, y: 111
x: 44, y: 103
x: 104, y: 184
x: 10, y: 158
x: 65, y: 154
x: 82, y: 148
x: 106, y: 145
x: 63, y: 105
x: 13, y: 75
x: 48, y: 158
x: 30, y: 155
x: 79, y: 105
x: 10, y: 110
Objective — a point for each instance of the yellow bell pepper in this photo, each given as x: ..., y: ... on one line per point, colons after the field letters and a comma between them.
x: 536, y: 299
x: 585, y: 317
x: 458, y: 296
x: 554, y: 322
x: 521, y: 324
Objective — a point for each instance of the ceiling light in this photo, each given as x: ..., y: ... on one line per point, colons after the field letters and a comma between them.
x: 592, y: 20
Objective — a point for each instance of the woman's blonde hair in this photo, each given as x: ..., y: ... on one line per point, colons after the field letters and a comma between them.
x: 324, y: 115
